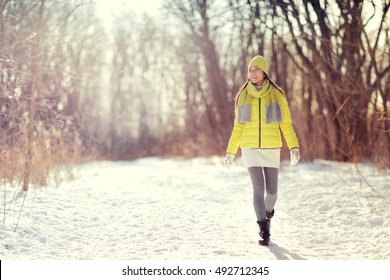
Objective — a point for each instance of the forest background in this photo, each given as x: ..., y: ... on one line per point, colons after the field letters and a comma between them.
x: 163, y: 83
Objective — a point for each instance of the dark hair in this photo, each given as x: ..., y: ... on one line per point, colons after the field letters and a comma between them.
x: 272, y: 82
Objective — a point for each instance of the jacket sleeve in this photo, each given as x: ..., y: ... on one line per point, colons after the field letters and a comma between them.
x: 235, y: 138
x: 287, y: 127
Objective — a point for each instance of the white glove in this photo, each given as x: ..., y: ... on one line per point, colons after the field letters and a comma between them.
x: 228, y: 161
x: 294, y: 156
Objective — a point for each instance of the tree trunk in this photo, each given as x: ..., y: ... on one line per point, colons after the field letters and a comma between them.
x: 32, y: 97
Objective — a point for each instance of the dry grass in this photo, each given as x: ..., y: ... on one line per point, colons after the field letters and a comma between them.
x: 52, y: 162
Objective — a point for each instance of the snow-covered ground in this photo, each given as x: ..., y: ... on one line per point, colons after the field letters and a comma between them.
x: 197, y: 209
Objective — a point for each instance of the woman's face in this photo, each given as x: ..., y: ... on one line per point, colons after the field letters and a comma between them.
x: 256, y: 75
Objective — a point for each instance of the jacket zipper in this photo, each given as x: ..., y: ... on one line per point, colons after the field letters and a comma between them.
x: 259, y: 123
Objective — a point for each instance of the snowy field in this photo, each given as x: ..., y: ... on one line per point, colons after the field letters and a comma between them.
x: 198, y: 210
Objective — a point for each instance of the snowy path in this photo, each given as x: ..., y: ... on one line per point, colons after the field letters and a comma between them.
x: 196, y: 209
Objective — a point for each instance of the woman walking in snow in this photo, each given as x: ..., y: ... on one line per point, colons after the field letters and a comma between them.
x: 261, y: 114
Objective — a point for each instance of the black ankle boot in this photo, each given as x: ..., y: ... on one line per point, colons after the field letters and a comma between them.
x: 264, y: 232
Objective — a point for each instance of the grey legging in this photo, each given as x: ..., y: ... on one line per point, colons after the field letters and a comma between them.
x: 268, y: 177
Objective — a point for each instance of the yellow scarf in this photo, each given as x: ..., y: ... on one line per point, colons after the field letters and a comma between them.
x: 269, y: 94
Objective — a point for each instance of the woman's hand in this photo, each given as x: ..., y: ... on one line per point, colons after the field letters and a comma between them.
x: 228, y: 161
x: 294, y: 156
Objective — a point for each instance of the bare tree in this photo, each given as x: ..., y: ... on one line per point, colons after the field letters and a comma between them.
x: 195, y: 16
x: 48, y: 70
x: 328, y: 43
x: 172, y: 83
x: 32, y: 96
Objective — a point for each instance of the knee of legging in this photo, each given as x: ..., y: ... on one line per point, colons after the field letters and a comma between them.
x: 273, y: 192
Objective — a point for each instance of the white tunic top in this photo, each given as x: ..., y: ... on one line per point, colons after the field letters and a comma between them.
x: 261, y: 157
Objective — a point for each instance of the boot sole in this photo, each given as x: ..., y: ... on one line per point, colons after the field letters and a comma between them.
x: 263, y: 243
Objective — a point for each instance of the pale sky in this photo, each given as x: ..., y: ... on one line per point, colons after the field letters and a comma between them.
x: 108, y: 8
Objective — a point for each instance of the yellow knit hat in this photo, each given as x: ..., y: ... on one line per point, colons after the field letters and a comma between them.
x: 260, y: 62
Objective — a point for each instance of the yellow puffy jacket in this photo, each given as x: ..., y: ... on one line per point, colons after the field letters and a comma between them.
x: 258, y: 134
